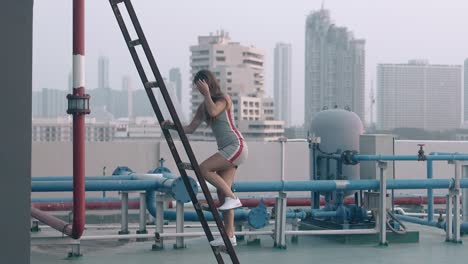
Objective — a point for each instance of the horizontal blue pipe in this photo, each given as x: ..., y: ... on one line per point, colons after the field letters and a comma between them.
x: 110, y: 199
x: 421, y: 221
x: 331, y: 185
x: 88, y: 178
x: 409, y: 157
x: 239, y: 214
x: 296, y: 214
x: 447, y: 153
x: 263, y: 186
x: 323, y: 214
x: 67, y: 186
x: 67, y: 200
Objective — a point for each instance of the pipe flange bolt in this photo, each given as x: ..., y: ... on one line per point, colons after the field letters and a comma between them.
x: 347, y: 157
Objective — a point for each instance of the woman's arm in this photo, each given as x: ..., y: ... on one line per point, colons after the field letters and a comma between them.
x: 196, y: 121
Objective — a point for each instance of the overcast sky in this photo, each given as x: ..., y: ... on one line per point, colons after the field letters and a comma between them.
x: 395, y: 31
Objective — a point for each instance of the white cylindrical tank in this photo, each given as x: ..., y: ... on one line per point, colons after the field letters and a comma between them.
x: 339, y: 130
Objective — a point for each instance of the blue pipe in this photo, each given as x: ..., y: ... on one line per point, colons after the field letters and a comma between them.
x: 408, y: 157
x: 447, y: 153
x: 332, y: 185
x: 420, y: 221
x: 88, y: 178
x: 239, y: 214
x: 171, y: 185
x: 262, y: 186
x: 441, y: 225
x: 430, y: 195
x: 69, y: 199
x: 323, y: 214
x: 300, y: 214
x: 67, y: 186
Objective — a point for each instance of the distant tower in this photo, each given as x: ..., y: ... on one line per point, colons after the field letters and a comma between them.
x: 334, y: 67
x: 282, y: 82
x: 465, y: 87
x: 103, y: 72
x: 176, y: 77
x: 372, y: 103
x: 70, y: 81
x: 127, y: 85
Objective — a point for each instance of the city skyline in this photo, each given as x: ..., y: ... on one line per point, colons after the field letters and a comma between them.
x: 393, y: 36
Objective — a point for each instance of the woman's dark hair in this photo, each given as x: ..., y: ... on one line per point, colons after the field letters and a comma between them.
x: 215, y: 89
x: 210, y: 79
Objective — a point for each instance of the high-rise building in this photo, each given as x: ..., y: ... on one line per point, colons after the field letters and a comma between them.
x: 465, y: 89
x: 419, y: 95
x: 282, y: 82
x: 127, y: 86
x: 70, y: 81
x: 176, y: 78
x: 54, y: 103
x: 239, y: 70
x: 103, y: 72
x: 334, y: 67
x: 36, y: 104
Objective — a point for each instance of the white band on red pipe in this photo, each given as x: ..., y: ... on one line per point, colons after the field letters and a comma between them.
x: 78, y: 71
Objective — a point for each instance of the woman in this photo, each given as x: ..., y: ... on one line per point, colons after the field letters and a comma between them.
x: 219, y: 169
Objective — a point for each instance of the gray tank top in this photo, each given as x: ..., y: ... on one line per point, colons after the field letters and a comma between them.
x: 225, y: 130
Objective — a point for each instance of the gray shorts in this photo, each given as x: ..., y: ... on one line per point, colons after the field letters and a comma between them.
x: 235, y: 153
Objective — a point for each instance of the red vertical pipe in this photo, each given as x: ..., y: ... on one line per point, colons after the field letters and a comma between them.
x: 77, y: 228
x: 78, y: 121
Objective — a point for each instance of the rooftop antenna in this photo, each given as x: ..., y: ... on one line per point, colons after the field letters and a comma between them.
x: 323, y: 5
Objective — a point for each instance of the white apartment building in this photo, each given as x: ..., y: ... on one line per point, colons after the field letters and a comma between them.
x: 141, y: 128
x: 232, y: 62
x: 239, y: 70
x: 419, y: 95
x: 61, y: 130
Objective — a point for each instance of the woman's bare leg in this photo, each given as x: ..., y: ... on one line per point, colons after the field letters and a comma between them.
x: 228, y: 215
x: 209, y: 168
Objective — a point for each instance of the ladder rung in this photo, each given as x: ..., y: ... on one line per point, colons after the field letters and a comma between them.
x: 221, y: 249
x: 205, y: 207
x: 134, y: 43
x: 169, y: 126
x: 185, y: 166
x: 150, y: 85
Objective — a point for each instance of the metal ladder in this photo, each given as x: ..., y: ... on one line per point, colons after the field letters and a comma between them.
x: 182, y: 166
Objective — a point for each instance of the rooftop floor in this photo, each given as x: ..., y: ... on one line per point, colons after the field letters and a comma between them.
x: 310, y: 249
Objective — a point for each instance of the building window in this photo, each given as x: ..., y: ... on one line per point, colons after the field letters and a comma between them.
x: 220, y: 51
x: 229, y: 73
x: 201, y: 52
x: 220, y: 58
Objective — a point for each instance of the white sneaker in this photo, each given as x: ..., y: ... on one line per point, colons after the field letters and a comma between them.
x: 220, y: 242
x: 230, y: 203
